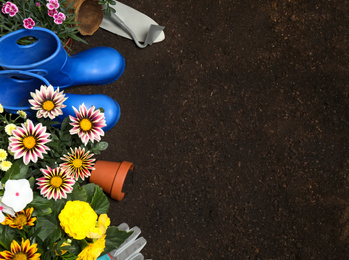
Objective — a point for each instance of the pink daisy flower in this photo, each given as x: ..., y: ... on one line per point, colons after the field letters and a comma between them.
x: 9, y: 8
x: 78, y: 163
x: 6, y: 7
x: 55, y: 184
x: 48, y: 102
x: 29, y: 142
x: 87, y: 124
x: 52, y: 12
x: 52, y: 4
x: 59, y: 18
x: 28, y: 23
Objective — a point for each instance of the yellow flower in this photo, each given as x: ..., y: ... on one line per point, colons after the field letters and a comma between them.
x: 5, y: 165
x: 3, y: 155
x: 9, y: 128
x: 68, y: 243
x: 22, y: 114
x: 1, y: 109
x: 21, y: 219
x: 93, y: 250
x: 77, y: 219
x: 101, y: 227
x: 23, y: 251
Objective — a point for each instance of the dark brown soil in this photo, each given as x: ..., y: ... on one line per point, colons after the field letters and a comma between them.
x: 238, y: 126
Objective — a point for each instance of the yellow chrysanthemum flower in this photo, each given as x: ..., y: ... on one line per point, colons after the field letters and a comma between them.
x: 77, y: 219
x: 3, y: 155
x: 22, y: 114
x: 93, y: 250
x: 1, y: 109
x: 101, y: 227
x: 9, y: 128
x: 5, y: 165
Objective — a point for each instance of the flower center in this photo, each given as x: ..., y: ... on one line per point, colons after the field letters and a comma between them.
x: 85, y: 124
x: 56, y: 181
x: 20, y: 256
x: 29, y: 142
x: 48, y: 105
x: 20, y: 220
x: 77, y: 163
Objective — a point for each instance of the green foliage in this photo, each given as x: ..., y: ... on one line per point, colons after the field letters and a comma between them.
x: 115, y: 238
x: 99, y: 201
x: 29, y: 8
x: 47, y: 233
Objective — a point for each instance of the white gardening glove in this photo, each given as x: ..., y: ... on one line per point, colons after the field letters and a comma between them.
x: 130, y: 249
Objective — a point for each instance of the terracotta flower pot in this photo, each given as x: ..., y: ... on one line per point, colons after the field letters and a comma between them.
x: 69, y: 43
x: 110, y: 176
x: 88, y: 14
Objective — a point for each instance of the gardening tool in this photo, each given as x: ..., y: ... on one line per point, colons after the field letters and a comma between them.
x: 130, y: 249
x: 132, y: 24
x: 46, y: 57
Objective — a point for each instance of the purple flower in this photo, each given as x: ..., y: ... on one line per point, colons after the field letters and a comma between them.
x: 52, y: 4
x: 28, y: 23
x: 38, y: 4
x: 59, y: 18
x: 9, y: 8
x: 52, y: 12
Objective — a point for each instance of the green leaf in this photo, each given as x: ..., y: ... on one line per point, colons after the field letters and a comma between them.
x: 115, y: 238
x: 57, y: 206
x: 90, y: 191
x: 66, y: 138
x: 102, y: 146
x: 78, y: 193
x: 65, y: 123
x: 49, y: 229
x: 99, y: 202
x: 41, y: 205
x: 17, y: 171
x: 8, y: 234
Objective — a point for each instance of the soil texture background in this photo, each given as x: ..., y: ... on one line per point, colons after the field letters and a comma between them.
x: 237, y: 125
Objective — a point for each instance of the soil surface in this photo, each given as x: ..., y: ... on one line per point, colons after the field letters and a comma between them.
x: 237, y: 125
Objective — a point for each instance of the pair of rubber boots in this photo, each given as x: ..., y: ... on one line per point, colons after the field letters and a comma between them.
x: 46, y: 62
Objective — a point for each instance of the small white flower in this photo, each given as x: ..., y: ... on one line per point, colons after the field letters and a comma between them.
x: 9, y: 128
x: 5, y: 165
x: 5, y: 209
x: 17, y: 194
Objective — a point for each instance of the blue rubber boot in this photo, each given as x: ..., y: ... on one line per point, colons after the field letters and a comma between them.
x: 110, y: 106
x: 47, y: 57
x: 16, y: 85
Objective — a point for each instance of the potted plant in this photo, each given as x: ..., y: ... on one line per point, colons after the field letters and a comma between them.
x: 47, y: 209
x: 59, y: 16
x: 55, y: 15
